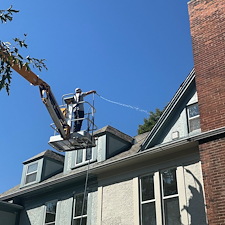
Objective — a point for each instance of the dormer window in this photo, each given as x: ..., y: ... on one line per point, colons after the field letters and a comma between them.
x: 109, y: 142
x: 41, y: 167
x: 31, y: 173
x: 83, y: 156
x: 193, y: 117
x: 80, y: 158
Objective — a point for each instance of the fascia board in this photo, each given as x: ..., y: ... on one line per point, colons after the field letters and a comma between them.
x: 96, y: 170
x: 178, y: 95
x: 160, y: 150
x: 10, y: 207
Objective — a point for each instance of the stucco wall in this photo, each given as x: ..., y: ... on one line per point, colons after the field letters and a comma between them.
x: 181, y: 123
x: 64, y: 211
x: 92, y: 208
x: 34, y: 210
x: 195, y: 194
x: 116, y: 200
x: 32, y: 216
x: 117, y: 204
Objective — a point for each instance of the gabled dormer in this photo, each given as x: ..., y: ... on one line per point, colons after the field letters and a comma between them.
x: 109, y: 142
x: 180, y: 118
x: 41, y: 167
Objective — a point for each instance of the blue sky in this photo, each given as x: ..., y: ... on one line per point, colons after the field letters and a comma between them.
x: 135, y: 52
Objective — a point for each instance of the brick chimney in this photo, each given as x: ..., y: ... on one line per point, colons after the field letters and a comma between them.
x: 207, y: 22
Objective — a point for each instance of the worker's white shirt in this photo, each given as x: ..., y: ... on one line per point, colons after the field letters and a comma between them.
x: 79, y: 97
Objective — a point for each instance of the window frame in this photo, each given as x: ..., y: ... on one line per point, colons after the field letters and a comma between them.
x: 166, y: 197
x: 45, y: 212
x: 142, y: 203
x: 38, y: 173
x: 84, y: 156
x: 159, y: 196
x: 189, y: 119
x: 27, y: 174
x: 74, y: 217
x: 84, y: 161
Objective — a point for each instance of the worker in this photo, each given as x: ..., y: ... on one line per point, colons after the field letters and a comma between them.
x: 79, y: 108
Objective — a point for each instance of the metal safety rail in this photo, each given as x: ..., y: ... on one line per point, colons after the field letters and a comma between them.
x: 76, y: 140
x: 88, y: 117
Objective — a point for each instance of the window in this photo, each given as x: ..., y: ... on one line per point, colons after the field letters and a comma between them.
x: 83, y: 156
x: 31, y: 173
x: 193, y: 117
x: 50, y: 214
x: 170, y: 197
x: 147, y: 197
x: 80, y: 210
x: 165, y: 207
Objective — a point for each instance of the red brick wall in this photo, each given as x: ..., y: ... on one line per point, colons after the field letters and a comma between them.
x: 214, y: 179
x: 207, y: 22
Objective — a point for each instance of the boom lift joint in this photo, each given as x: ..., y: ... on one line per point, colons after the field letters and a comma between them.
x: 65, y: 141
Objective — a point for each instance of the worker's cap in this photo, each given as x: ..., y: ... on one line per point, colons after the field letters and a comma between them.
x: 78, y: 90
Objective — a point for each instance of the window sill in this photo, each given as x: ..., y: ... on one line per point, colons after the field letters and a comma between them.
x: 82, y: 164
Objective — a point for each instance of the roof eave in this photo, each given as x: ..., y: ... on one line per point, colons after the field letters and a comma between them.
x: 190, y: 142
x: 178, y: 95
x: 154, y: 152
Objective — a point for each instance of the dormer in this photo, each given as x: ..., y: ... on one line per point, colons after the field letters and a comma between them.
x: 109, y: 142
x: 41, y: 167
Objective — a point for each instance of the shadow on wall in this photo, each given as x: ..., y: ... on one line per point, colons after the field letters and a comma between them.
x: 24, y: 219
x: 196, y: 204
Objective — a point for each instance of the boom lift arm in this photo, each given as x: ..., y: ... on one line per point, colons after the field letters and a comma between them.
x: 46, y: 94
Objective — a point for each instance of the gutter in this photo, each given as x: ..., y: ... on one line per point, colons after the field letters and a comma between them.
x: 209, y: 134
x: 98, y: 169
x: 157, y: 151
x: 10, y: 207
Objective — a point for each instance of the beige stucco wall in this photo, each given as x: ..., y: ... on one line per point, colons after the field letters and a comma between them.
x: 32, y: 216
x: 195, y: 207
x: 117, y: 204
x: 118, y: 196
x: 181, y: 123
x: 114, y: 200
x: 64, y: 211
x: 92, y: 208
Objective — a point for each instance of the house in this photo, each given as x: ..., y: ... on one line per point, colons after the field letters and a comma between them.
x: 173, y: 174
x: 125, y: 179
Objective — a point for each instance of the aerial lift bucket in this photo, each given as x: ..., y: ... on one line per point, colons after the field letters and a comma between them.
x: 76, y: 140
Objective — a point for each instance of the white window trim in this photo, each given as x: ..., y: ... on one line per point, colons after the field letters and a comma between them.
x: 74, y: 206
x: 163, y: 198
x: 158, y: 202
x: 27, y: 174
x: 38, y: 177
x: 147, y: 201
x: 159, y: 198
x: 136, y: 208
x: 182, y: 194
x: 84, y: 162
x: 192, y: 118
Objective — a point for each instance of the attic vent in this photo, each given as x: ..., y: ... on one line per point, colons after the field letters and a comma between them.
x: 175, y: 135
